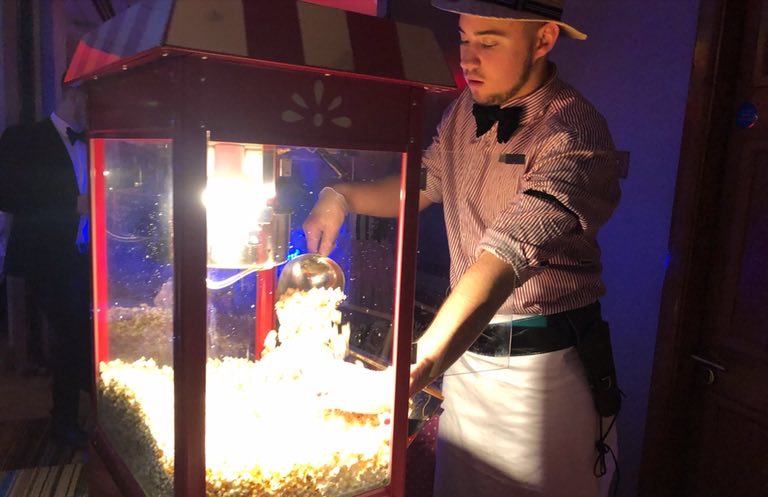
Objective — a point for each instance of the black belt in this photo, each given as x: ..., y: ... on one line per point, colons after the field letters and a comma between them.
x: 535, y: 335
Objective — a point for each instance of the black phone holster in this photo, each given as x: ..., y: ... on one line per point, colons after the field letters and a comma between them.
x: 593, y: 344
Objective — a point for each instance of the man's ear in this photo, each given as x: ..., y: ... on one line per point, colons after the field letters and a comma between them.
x: 546, y: 38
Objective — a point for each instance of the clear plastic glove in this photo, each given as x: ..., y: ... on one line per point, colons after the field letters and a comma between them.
x: 322, y: 225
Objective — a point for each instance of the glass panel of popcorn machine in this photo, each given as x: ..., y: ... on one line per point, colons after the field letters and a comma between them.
x: 134, y: 336
x: 299, y: 390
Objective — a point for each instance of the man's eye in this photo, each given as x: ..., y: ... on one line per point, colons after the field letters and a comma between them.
x: 463, y: 42
x: 487, y: 45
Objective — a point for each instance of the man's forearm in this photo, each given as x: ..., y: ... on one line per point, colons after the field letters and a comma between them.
x: 380, y: 198
x: 468, y: 309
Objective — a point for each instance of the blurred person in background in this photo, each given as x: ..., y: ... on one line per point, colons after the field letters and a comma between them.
x: 44, y: 185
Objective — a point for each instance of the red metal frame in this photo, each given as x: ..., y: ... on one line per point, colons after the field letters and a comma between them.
x: 154, y: 55
x: 265, y: 307
x: 99, y: 260
x: 120, y: 473
x: 405, y: 289
x: 266, y: 280
x: 190, y: 310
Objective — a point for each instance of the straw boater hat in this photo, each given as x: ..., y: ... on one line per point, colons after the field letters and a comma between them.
x: 520, y: 10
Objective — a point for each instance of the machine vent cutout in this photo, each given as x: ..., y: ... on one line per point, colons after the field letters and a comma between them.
x: 316, y: 113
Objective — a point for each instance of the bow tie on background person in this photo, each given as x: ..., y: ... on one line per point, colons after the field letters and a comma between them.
x: 75, y: 136
x: 508, y: 119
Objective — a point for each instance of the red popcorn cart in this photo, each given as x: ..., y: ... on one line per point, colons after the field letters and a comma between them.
x: 214, y: 126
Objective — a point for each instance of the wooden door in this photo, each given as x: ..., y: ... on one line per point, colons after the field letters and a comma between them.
x: 730, y: 409
x: 708, y: 418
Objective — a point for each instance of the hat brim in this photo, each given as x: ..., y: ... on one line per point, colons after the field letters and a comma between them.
x: 496, y: 11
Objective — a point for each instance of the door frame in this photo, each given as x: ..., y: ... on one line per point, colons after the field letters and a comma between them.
x: 701, y: 168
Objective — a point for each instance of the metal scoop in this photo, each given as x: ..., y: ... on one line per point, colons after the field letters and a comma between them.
x: 309, y: 271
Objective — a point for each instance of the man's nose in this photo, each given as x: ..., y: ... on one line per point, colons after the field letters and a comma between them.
x: 468, y: 59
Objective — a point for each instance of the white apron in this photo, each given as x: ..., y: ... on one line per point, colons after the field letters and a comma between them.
x: 519, y: 426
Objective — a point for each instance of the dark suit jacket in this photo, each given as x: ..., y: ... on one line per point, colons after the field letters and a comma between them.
x: 38, y: 186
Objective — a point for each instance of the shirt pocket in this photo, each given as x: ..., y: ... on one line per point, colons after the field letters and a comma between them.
x: 502, y: 184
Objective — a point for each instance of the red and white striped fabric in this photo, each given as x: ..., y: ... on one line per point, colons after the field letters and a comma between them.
x: 536, y: 201
x: 285, y: 32
x: 138, y: 29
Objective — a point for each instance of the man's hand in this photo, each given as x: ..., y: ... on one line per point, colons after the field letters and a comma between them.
x: 380, y: 198
x: 322, y: 225
x: 422, y: 375
x: 474, y: 300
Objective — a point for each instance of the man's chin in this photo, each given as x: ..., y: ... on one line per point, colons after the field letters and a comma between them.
x: 480, y: 98
x: 483, y: 98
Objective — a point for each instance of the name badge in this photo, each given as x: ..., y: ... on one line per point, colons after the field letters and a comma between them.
x: 512, y: 159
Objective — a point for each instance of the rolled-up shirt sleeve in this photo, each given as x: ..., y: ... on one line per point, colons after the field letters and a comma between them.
x: 571, y: 188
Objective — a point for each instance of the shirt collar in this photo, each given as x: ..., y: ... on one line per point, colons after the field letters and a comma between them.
x: 536, y: 103
x: 60, y: 124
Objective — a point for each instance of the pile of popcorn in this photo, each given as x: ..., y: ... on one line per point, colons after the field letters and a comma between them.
x: 299, y: 422
x: 310, y: 324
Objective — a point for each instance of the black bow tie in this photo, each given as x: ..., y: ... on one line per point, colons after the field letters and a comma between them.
x: 508, y: 119
x: 75, y: 136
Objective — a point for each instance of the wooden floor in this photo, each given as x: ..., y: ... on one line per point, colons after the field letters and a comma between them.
x: 27, y: 397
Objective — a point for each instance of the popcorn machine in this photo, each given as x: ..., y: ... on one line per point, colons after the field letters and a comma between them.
x: 214, y: 125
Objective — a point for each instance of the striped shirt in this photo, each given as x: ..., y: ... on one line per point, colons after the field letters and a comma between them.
x: 536, y: 202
